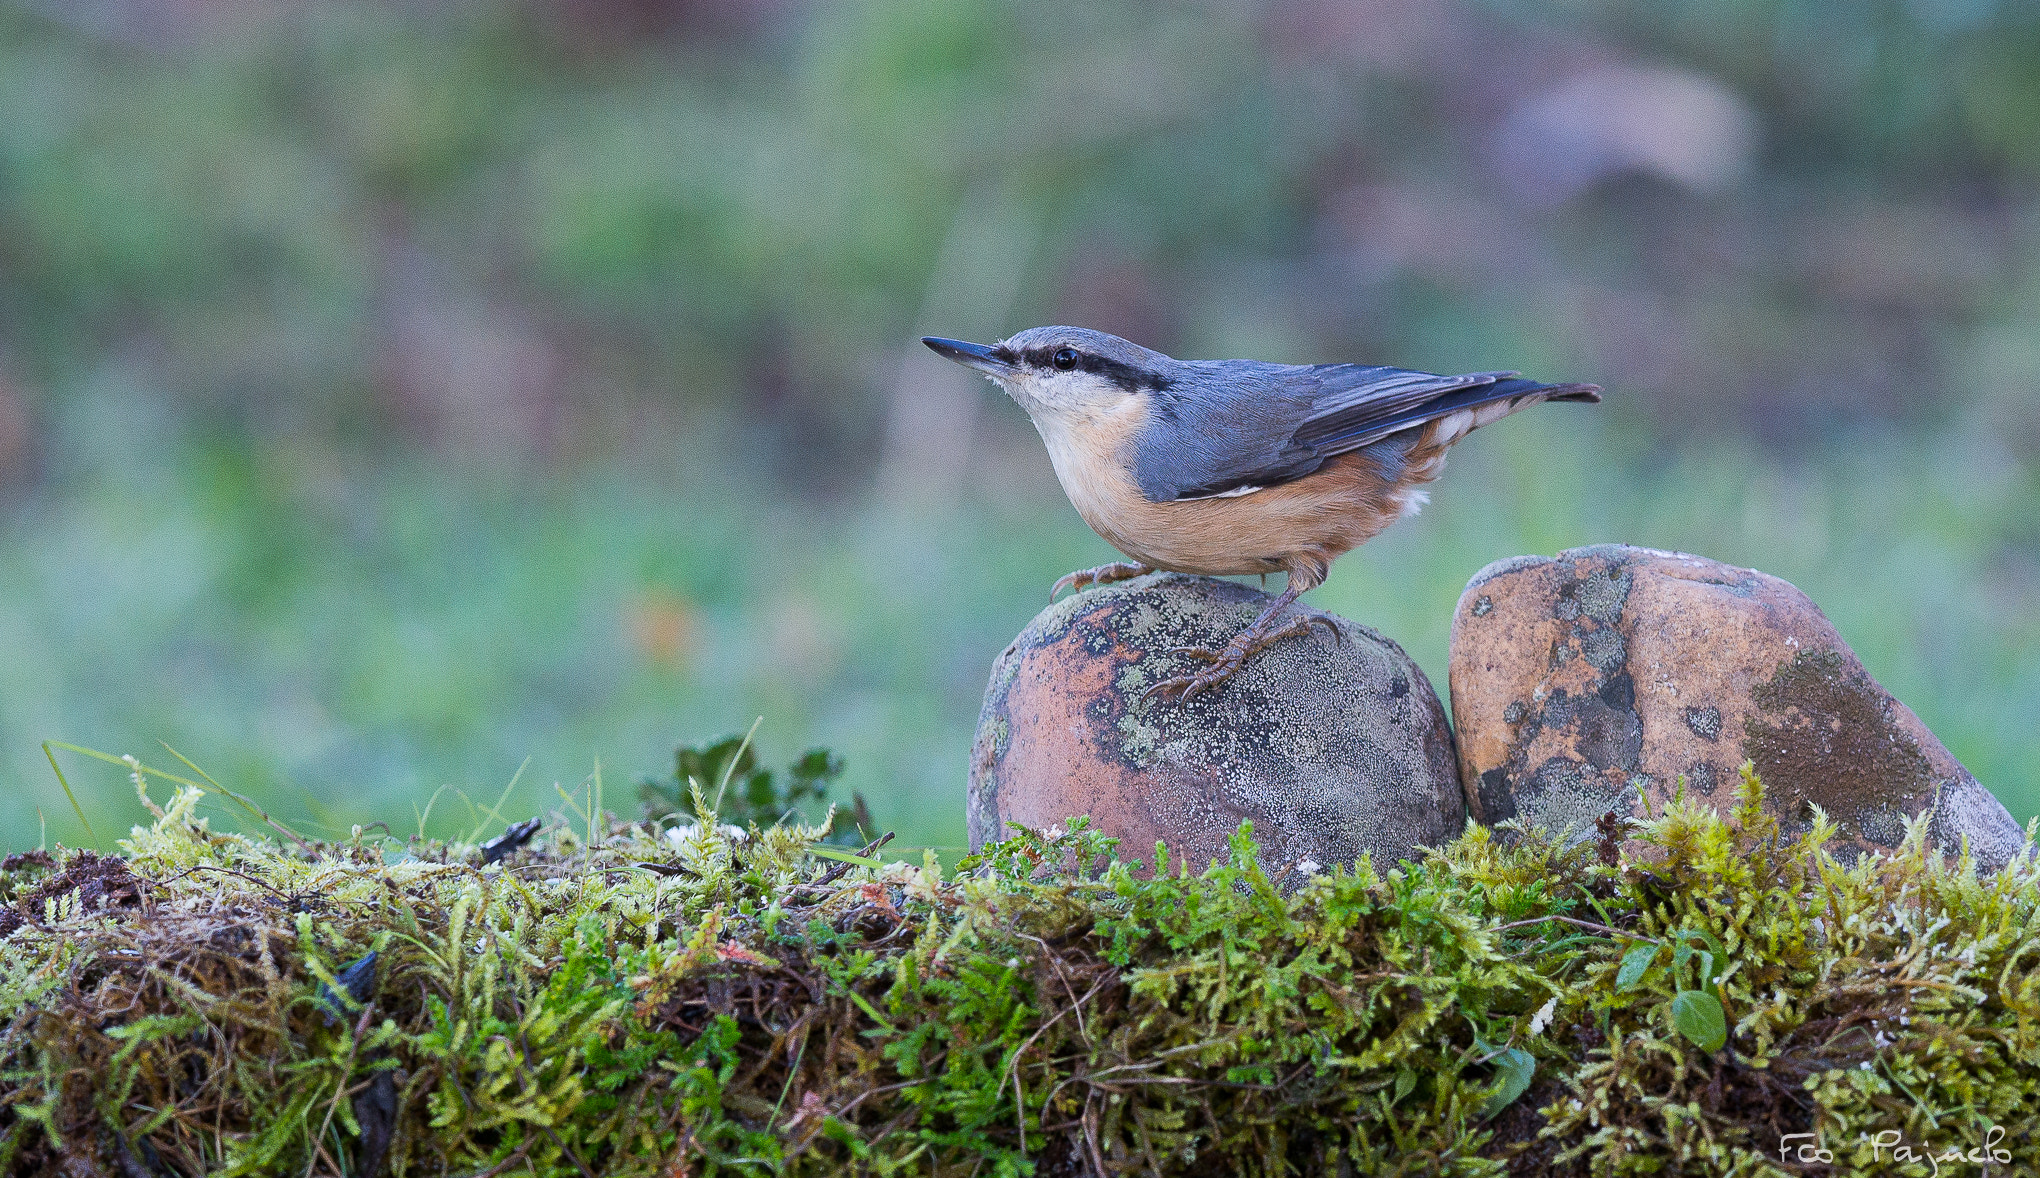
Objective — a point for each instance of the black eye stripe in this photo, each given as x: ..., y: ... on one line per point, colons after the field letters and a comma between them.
x: 1126, y: 376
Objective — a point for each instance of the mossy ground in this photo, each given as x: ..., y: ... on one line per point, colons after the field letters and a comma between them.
x: 619, y: 1001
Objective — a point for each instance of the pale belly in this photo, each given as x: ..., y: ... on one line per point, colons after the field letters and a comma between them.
x: 1310, y: 521
x: 1298, y: 527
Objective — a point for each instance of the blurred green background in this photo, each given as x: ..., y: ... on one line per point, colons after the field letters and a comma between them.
x: 391, y: 392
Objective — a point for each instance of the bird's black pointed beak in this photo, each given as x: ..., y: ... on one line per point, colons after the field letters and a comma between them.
x: 978, y: 356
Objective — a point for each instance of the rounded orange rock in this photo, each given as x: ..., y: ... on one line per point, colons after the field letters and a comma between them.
x: 1333, y: 748
x: 1579, y: 680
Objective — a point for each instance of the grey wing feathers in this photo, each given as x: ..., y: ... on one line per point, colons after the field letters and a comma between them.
x: 1281, y: 425
x: 1354, y: 400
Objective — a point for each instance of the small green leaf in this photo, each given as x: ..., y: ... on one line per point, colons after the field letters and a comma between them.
x: 1635, y: 964
x: 1699, y: 937
x: 1699, y: 1017
x: 1515, y: 1068
x: 865, y: 1005
x: 1405, y: 1083
x: 844, y: 856
x: 814, y: 771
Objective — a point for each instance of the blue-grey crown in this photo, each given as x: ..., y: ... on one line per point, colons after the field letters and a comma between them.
x: 1120, y: 361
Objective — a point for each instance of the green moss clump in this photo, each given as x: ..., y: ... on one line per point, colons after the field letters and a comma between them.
x: 1677, y: 998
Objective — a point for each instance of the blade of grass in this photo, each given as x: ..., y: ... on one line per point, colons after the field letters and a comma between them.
x: 315, y: 814
x: 427, y: 815
x: 731, y: 767
x: 843, y: 856
x: 573, y: 805
x: 594, y: 807
x: 110, y: 759
x: 496, y: 811
x: 865, y: 1005
x: 247, y: 805
x: 75, y: 807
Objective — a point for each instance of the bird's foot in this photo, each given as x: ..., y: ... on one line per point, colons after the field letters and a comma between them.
x: 1226, y: 661
x: 1104, y: 574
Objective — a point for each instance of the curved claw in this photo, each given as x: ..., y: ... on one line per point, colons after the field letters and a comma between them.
x: 1182, y: 688
x: 1186, y: 687
x: 1104, y: 574
x: 1225, y: 662
x: 1165, y: 688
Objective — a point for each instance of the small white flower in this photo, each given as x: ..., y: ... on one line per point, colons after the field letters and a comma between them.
x: 1542, y: 1018
x: 1308, y: 866
x: 680, y: 835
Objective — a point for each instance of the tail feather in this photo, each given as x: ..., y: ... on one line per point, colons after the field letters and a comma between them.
x: 1465, y: 410
x: 1587, y: 394
x: 1501, y: 389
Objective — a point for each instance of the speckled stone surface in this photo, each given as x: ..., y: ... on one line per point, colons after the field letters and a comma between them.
x: 1331, y: 747
x: 1576, y: 679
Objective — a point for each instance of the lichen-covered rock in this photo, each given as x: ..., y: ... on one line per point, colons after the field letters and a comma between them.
x: 1574, y: 680
x: 1332, y: 747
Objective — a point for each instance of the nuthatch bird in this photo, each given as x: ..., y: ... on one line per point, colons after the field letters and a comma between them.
x: 1229, y: 467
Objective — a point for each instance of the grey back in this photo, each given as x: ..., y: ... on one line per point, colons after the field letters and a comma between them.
x: 1220, y: 426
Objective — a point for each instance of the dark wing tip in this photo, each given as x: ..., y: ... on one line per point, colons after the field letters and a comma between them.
x: 1589, y: 394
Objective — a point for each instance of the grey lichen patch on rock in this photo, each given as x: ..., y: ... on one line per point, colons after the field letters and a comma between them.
x: 1138, y: 741
x: 1602, y: 594
x: 1603, y: 648
x: 1142, y: 619
x: 1134, y: 679
x: 1004, y: 669
x: 1333, y: 747
x: 1567, y: 798
x: 1966, y: 815
x: 1054, y: 621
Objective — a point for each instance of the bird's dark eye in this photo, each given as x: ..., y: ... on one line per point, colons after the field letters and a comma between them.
x: 1064, y: 358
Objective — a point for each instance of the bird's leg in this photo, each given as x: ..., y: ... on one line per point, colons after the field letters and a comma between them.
x: 1257, y: 637
x: 1104, y: 574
